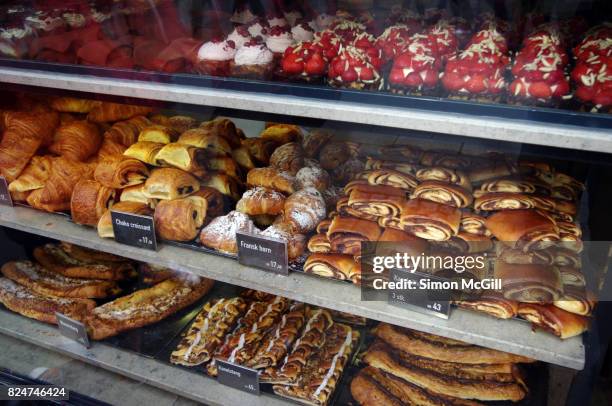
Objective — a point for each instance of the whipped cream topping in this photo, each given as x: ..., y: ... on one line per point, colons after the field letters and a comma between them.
x: 75, y: 20
x: 239, y: 37
x: 292, y: 17
x: 277, y: 21
x: 16, y: 32
x: 253, y: 54
x: 278, y: 42
x: 302, y: 32
x: 257, y: 29
x: 217, y: 51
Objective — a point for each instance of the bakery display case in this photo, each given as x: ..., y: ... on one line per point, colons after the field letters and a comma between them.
x: 199, y: 184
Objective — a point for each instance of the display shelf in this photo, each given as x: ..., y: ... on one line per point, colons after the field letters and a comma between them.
x: 506, y: 335
x: 493, y: 126
x: 163, y: 376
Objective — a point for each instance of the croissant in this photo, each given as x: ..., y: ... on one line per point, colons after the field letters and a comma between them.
x: 243, y: 158
x: 202, y: 138
x: 296, y: 243
x: 169, y: 184
x: 119, y: 174
x: 227, y: 185
x: 181, y: 156
x: 57, y: 192
x: 135, y: 194
x: 180, y: 219
x: 110, y: 150
x: 224, y: 164
x: 220, y: 234
x: 73, y: 105
x: 158, y: 133
x: 78, y: 140
x: 105, y: 224
x: 126, y: 132
x: 24, y: 134
x: 108, y: 112
x: 304, y: 209
x: 89, y: 201
x: 271, y: 178
x: 260, y: 150
x: 34, y: 175
x: 261, y: 200
x: 225, y: 128
x: 316, y: 177
x: 144, y: 151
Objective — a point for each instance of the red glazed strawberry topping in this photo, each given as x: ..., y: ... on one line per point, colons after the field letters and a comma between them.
x: 305, y: 59
x: 347, y: 30
x: 352, y: 65
x: 393, y: 41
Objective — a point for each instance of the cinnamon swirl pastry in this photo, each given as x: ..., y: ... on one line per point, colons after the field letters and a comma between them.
x: 576, y: 300
x: 390, y: 177
x: 319, y: 244
x: 572, y: 277
x: 529, y: 283
x: 446, y: 160
x: 403, y: 167
x: 492, y: 303
x: 524, y: 185
x: 442, y: 174
x: 337, y: 266
x: 473, y: 224
x: 442, y: 192
x: 346, y: 234
x: 561, y: 323
x: 377, y: 201
x: 430, y: 220
x: 505, y: 201
x: 525, y: 230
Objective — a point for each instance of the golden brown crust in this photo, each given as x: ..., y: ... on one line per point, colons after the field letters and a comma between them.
x: 215, y: 206
x: 185, y: 157
x: 561, y: 323
x: 281, y: 133
x: 260, y: 149
x: 576, y: 300
x: 89, y: 202
x: 220, y: 233
x: 169, y: 184
x: 492, y: 303
x: 314, y: 141
x: 390, y: 177
x: 224, y: 165
x: 243, y: 158
x: 377, y: 201
x: 45, y: 282
x: 430, y: 220
x: 296, y: 243
x: 119, y: 174
x: 34, y: 176
x: 108, y: 112
x: 73, y: 105
x: 144, y: 151
x: 145, y: 307
x: 158, y: 134
x: 78, y: 140
x: 529, y: 283
x: 443, y: 192
x: 346, y: 234
x: 261, y: 200
x: 441, y: 174
x: 180, y: 219
x: 105, y: 224
x: 522, y: 229
x: 319, y: 244
x: 288, y: 158
x: 224, y: 184
x: 303, y: 210
x: 337, y: 266
x: 225, y: 128
x: 202, y: 138
x: 272, y: 178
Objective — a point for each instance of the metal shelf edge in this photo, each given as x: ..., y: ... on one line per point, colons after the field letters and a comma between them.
x: 521, y: 131
x: 506, y: 335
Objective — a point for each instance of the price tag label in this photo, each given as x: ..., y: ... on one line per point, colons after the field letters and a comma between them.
x: 238, y: 377
x: 74, y: 330
x: 5, y: 196
x: 134, y: 229
x: 269, y: 254
x: 419, y: 293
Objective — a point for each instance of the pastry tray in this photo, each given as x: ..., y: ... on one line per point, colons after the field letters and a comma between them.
x: 330, y: 94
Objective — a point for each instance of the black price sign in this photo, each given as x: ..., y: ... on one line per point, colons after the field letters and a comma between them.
x: 420, y: 292
x: 5, y: 195
x: 238, y: 377
x: 269, y: 254
x: 134, y: 229
x: 75, y: 330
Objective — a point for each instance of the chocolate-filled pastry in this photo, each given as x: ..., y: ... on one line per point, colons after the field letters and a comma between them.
x: 34, y: 176
x: 224, y: 184
x: 304, y: 209
x: 224, y: 164
x: 56, y: 258
x: 135, y: 194
x: 360, y: 183
x: 126, y: 132
x: 346, y: 234
x: 316, y: 177
x: 430, y: 220
x: 225, y: 128
x: 446, y: 160
x: 78, y: 140
x: 565, y: 187
x: 324, y: 224
x: 576, y: 300
x: 523, y: 229
x: 390, y: 177
x: 572, y: 276
x: 441, y: 174
x: 288, y: 158
x: 434, y: 347
x: 315, y: 141
x: 281, y: 133
x: 243, y: 158
x: 529, y: 283
x: 337, y: 266
x: 272, y: 178
x: 394, y: 241
x: 563, y: 257
x: 106, y: 112
x: 505, y: 201
x: 169, y: 184
x: 121, y: 173
x: 207, y: 331
x: 180, y: 219
x: 497, y: 169
x: 145, y: 306
x: 144, y: 151
x: 473, y: 224
x: 334, y: 154
x: 89, y: 202
x: 159, y: 134
x: 261, y: 200
x: 185, y: 157
x: 220, y: 233
x: 523, y: 185
x: 260, y: 150
x: 517, y: 256
x: 296, y: 243
x: 319, y: 244
x: 486, y: 382
x: 492, y: 303
x: 201, y: 138
x: 41, y: 307
x: 404, y: 153
x: 403, y: 167
x: 214, y: 201
x: 73, y: 105
x: 550, y: 318
x: 444, y: 193
x: 379, y: 201
x: 46, y: 282
x: 105, y: 224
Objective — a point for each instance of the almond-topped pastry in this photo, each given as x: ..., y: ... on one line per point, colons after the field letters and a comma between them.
x: 214, y: 57
x: 253, y: 61
x: 352, y: 69
x: 366, y: 43
x: 444, y: 36
x: 393, y: 41
x: 416, y: 69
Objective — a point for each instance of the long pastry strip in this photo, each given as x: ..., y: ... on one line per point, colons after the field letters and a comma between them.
x: 277, y: 343
x: 311, y: 340
x: 207, y: 331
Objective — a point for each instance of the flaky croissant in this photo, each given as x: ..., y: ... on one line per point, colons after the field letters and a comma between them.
x: 78, y: 140
x: 89, y: 201
x: 34, y: 175
x: 108, y: 112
